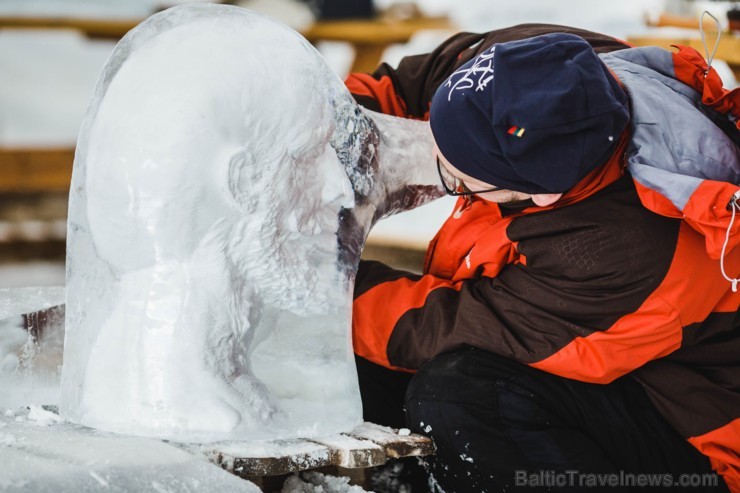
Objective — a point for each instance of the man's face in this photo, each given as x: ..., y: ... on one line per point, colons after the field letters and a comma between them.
x: 499, y: 196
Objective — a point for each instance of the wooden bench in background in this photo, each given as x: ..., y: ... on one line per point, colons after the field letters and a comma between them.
x: 29, y: 175
x: 368, y: 37
x: 34, y: 187
x: 24, y: 170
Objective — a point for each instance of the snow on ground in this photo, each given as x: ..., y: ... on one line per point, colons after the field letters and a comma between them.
x: 39, y: 454
x: 315, y: 482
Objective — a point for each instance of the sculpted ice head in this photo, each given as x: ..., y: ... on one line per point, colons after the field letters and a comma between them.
x: 206, y: 130
x: 224, y: 183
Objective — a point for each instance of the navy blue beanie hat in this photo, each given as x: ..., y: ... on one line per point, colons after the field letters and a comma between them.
x: 533, y: 116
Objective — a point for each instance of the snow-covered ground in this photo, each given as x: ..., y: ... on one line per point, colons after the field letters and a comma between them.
x: 39, y: 454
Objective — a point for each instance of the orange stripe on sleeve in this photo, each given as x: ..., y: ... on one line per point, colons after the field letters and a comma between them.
x: 729, y: 304
x: 722, y: 446
x: 653, y: 331
x: 706, y: 211
x: 372, y: 327
x: 691, y: 290
x: 381, y: 90
x: 656, y: 201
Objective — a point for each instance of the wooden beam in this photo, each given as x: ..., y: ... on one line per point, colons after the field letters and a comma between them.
x: 35, y: 170
x: 369, y: 445
x: 112, y: 29
x: 686, y: 22
x: 368, y: 37
x: 373, y: 31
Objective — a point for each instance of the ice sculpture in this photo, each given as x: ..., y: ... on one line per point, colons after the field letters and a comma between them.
x: 223, y: 187
x: 31, y: 340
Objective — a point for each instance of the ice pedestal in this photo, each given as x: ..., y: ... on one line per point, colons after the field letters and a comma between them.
x: 223, y: 187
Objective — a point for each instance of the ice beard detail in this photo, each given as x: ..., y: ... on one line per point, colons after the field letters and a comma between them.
x: 224, y: 184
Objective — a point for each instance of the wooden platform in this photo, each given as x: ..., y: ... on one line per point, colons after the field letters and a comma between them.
x: 366, y: 446
x: 352, y: 454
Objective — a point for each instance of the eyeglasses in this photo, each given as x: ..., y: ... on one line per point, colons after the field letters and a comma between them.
x: 454, y: 185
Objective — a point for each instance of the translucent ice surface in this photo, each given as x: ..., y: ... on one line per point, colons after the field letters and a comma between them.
x: 223, y: 187
x: 31, y: 340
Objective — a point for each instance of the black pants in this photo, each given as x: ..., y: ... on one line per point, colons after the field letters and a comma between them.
x: 501, y: 425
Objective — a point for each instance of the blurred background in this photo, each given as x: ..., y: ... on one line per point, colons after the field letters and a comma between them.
x: 52, y: 50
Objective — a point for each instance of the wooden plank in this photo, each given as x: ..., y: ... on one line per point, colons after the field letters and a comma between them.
x: 373, y: 31
x: 368, y: 445
x: 395, y: 444
x: 369, y: 37
x: 113, y: 29
x: 268, y: 458
x: 36, y: 170
x: 367, y: 57
x: 686, y: 22
x: 385, y: 31
x: 349, y: 452
x: 37, y: 323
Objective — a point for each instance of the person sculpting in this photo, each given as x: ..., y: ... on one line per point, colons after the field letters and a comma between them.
x: 577, y: 312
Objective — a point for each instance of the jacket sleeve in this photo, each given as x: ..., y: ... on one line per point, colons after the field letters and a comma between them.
x: 603, y: 313
x: 401, y: 321
x: 407, y: 90
x: 407, y: 320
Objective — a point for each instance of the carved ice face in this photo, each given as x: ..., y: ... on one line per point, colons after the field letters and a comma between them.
x: 223, y: 186
x: 257, y: 169
x: 205, y: 212
x: 290, y: 188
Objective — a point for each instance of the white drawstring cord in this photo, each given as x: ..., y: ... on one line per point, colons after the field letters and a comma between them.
x: 735, y: 206
x: 710, y: 58
x: 735, y: 202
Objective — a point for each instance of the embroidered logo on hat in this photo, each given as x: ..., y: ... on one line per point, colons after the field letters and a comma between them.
x: 482, y: 67
x: 516, y: 131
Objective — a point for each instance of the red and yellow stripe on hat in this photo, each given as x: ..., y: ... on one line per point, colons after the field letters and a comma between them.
x: 516, y: 131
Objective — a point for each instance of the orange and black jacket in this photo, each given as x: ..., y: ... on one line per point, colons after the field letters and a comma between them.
x: 611, y: 280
